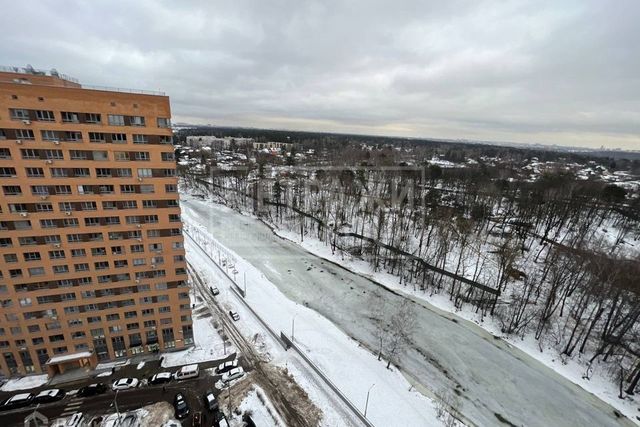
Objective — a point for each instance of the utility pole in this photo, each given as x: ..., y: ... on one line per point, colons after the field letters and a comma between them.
x: 245, y: 283
x: 293, y: 325
x: 115, y: 403
x: 229, y: 390
x: 366, y: 404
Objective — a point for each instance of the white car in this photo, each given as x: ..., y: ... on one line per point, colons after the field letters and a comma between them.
x: 226, y: 366
x: 161, y: 378
x: 233, y: 374
x: 125, y: 384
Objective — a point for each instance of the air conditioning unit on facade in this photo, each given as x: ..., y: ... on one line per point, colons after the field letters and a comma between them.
x: 19, y: 141
x: 139, y: 239
x: 48, y: 162
x: 24, y: 214
x: 137, y: 280
x: 138, y: 225
x: 68, y: 213
x: 140, y: 179
x: 56, y: 245
x: 26, y: 122
x: 44, y: 197
x: 56, y: 142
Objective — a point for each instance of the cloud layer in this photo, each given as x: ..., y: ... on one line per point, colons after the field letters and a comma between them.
x: 553, y: 72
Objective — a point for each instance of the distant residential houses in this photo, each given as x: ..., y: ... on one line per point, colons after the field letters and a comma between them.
x: 224, y: 143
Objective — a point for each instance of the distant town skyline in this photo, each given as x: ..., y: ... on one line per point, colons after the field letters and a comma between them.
x: 557, y: 73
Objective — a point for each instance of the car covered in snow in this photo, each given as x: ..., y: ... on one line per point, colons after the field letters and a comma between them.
x: 161, y: 378
x: 210, y: 401
x: 233, y: 374
x: 227, y: 366
x: 215, y: 291
x: 51, y: 395
x: 125, y: 384
x: 234, y: 315
x: 17, y: 401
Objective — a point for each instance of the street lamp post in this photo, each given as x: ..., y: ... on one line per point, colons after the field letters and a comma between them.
x: 293, y: 325
x: 366, y: 404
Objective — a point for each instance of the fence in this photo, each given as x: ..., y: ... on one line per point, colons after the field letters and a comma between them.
x: 333, y: 387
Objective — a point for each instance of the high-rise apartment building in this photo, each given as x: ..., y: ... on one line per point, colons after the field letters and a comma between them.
x: 92, y: 263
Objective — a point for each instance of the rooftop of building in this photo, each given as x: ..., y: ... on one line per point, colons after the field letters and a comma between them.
x: 31, y: 76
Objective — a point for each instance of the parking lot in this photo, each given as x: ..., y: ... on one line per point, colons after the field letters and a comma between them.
x: 144, y: 394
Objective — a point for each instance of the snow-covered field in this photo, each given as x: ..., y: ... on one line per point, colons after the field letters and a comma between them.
x: 25, y: 383
x: 495, y: 378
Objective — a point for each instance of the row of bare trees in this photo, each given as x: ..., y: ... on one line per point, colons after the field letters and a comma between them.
x: 549, y: 258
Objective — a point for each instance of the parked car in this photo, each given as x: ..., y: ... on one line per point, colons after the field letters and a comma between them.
x: 226, y: 366
x: 181, y: 406
x: 50, y: 395
x: 92, y: 389
x: 125, y: 384
x: 186, y: 372
x: 215, y: 291
x: 234, y: 315
x: 160, y: 378
x: 233, y: 374
x: 210, y: 401
x: 17, y: 401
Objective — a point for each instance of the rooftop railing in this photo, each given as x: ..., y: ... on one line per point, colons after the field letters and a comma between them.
x: 54, y: 73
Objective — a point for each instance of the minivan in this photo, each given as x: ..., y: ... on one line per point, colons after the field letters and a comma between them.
x: 188, y: 371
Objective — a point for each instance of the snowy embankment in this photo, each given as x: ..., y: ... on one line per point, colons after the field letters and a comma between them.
x: 353, y: 369
x: 25, y: 383
x: 598, y: 383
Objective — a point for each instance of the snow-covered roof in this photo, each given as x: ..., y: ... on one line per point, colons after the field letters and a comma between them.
x: 68, y: 357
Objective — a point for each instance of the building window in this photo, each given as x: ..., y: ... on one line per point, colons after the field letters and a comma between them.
x: 93, y: 118
x: 140, y: 139
x: 137, y: 121
x: 116, y: 120
x: 144, y: 173
x: 19, y: 114
x: 164, y: 122
x: 24, y: 134
x: 45, y: 116
x: 69, y: 117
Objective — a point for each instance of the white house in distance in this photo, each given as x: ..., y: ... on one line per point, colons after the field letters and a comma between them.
x: 217, y: 142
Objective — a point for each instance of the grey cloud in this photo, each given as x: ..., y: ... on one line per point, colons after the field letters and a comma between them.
x: 557, y: 72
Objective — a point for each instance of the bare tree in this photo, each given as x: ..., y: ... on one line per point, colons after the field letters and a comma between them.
x: 402, y: 326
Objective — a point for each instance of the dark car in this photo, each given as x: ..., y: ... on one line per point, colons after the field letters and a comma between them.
x: 181, y: 406
x: 51, y: 395
x: 92, y: 389
x: 215, y: 291
x: 210, y: 401
x: 161, y: 378
x: 17, y: 401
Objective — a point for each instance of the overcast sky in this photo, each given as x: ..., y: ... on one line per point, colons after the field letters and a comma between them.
x: 556, y: 72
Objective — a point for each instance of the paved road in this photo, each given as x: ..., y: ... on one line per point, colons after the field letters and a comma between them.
x: 497, y: 384
x: 127, y: 400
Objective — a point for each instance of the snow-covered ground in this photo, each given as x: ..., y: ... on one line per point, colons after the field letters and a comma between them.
x: 350, y: 367
x: 208, y: 344
x: 494, y: 379
x: 261, y: 410
x: 25, y: 383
